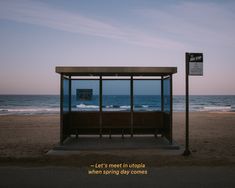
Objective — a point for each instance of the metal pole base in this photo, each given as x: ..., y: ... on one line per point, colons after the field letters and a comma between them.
x: 187, y: 152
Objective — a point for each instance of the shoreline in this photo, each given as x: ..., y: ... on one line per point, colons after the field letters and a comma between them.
x: 58, y: 114
x: 25, y: 139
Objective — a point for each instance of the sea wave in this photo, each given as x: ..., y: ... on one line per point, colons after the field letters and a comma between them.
x: 28, y: 111
x: 86, y: 106
x: 216, y: 108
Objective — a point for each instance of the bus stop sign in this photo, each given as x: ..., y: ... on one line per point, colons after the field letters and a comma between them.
x: 195, y: 64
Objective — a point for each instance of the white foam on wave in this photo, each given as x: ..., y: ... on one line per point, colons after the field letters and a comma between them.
x: 217, y: 108
x: 28, y: 111
x: 114, y: 109
x: 145, y: 106
x: 86, y: 106
x: 31, y: 110
x: 125, y: 107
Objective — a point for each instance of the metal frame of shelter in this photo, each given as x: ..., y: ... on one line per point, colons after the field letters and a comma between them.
x: 112, y: 122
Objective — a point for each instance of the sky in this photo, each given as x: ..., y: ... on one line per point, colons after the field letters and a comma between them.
x: 38, y: 35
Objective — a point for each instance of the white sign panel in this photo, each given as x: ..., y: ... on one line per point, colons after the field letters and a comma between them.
x: 195, y: 64
x: 196, y: 68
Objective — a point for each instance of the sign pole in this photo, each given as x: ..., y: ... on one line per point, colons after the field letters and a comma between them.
x: 187, y: 151
x: 193, y: 67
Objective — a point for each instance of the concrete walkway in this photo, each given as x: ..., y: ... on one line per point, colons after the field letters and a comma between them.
x: 164, y: 177
x: 116, y: 142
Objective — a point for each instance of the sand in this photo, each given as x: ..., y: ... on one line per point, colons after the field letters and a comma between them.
x: 25, y: 139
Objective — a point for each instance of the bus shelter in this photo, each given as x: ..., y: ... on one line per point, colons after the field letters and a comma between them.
x: 124, y: 101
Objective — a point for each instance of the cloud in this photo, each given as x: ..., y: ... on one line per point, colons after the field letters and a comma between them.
x: 176, y: 26
x: 38, y: 13
x: 195, y: 23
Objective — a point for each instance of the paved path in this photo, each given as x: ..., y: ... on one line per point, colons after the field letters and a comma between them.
x: 190, y: 177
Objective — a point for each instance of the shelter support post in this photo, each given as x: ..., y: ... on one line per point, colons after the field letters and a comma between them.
x: 171, y: 107
x: 162, y: 94
x: 132, y: 95
x: 61, y: 109
x: 101, y: 104
x: 70, y: 94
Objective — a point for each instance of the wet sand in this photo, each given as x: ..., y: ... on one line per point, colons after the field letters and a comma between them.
x: 26, y: 139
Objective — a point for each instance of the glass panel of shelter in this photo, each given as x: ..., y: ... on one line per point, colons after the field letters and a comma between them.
x: 85, y: 95
x: 65, y: 94
x: 147, y: 95
x: 166, y: 94
x: 116, y: 94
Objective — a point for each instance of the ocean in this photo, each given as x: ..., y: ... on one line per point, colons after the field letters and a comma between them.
x: 50, y: 104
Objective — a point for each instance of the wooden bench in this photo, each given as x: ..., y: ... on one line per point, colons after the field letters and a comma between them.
x: 115, y: 123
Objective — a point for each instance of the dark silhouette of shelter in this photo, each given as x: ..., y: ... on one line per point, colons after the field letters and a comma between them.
x: 101, y: 122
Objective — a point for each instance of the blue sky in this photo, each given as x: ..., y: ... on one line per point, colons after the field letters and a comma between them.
x: 37, y: 35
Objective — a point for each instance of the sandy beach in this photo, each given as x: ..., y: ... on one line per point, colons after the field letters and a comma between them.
x: 27, y: 139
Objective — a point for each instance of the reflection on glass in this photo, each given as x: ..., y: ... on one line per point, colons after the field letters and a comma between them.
x: 147, y: 95
x: 65, y: 95
x: 116, y: 95
x: 166, y: 91
x: 85, y: 95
